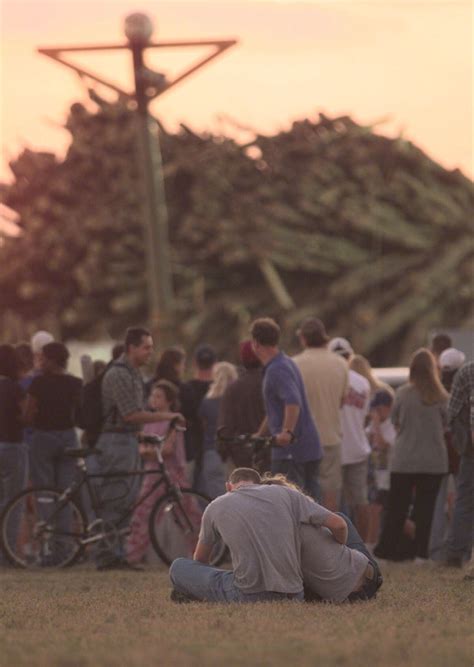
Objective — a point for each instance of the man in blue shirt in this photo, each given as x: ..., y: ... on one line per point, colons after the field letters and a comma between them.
x: 288, y: 416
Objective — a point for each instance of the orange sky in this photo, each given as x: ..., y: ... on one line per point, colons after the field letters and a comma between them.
x: 410, y: 62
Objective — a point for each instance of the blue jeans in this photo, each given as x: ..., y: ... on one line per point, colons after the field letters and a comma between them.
x: 439, y: 525
x: 117, y: 452
x: 48, y: 466
x: 354, y: 541
x: 305, y: 475
x: 13, y: 479
x: 209, y: 584
x: 461, y: 533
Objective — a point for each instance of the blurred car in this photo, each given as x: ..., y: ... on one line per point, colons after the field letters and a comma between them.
x: 395, y: 376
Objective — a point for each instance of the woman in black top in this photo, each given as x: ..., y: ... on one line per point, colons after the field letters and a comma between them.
x: 13, y: 453
x: 52, y: 406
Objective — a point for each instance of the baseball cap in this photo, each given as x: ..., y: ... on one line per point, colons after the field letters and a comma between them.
x: 205, y: 355
x: 40, y: 339
x: 451, y: 359
x: 340, y: 346
x: 381, y: 398
x: 313, y: 329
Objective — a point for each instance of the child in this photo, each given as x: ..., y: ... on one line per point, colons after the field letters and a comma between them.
x: 381, y: 433
x: 163, y: 397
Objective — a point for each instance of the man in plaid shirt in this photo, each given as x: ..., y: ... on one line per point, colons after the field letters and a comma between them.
x: 124, y: 412
x: 461, y: 422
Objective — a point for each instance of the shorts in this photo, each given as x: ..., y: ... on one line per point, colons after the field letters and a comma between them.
x: 330, y: 474
x: 354, y: 483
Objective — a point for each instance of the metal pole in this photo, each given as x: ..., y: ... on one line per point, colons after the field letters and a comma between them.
x: 160, y: 291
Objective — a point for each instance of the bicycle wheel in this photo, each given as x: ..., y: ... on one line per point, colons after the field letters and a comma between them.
x: 38, y: 529
x: 174, y: 526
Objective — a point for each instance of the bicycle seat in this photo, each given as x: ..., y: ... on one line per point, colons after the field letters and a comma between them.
x: 80, y: 453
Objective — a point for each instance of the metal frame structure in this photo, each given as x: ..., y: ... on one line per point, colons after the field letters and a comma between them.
x: 148, y: 86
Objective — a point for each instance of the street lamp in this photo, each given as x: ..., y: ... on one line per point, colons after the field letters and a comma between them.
x: 148, y: 86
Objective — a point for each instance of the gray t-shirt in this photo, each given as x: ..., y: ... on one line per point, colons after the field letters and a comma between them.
x: 420, y: 445
x: 330, y: 569
x: 260, y: 525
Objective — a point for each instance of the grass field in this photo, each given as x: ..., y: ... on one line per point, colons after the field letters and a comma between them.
x: 83, y: 618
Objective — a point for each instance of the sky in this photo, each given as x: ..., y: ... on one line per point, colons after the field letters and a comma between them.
x: 406, y: 63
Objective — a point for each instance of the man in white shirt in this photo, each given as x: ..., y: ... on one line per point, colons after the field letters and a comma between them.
x: 325, y: 378
x: 355, y: 449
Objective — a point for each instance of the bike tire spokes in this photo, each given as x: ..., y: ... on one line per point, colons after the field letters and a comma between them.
x: 42, y: 529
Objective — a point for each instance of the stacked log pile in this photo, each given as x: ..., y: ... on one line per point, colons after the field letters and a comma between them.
x: 327, y: 218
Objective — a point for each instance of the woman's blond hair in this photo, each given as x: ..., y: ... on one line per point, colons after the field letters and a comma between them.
x: 223, y: 375
x: 361, y: 365
x: 424, y: 377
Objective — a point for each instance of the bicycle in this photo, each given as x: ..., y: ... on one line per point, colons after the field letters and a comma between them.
x: 48, y: 527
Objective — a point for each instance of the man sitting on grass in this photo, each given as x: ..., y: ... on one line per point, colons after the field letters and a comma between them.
x: 260, y: 524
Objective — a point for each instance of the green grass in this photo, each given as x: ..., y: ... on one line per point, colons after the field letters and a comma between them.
x: 83, y: 618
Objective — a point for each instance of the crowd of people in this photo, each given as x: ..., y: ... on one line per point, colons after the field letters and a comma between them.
x: 398, y: 463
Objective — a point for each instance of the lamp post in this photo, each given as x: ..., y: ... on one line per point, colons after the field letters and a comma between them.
x: 138, y: 30
x: 148, y: 86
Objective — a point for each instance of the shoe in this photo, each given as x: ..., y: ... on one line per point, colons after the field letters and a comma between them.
x: 181, y: 598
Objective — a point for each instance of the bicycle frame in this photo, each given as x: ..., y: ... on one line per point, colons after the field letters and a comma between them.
x: 85, y: 480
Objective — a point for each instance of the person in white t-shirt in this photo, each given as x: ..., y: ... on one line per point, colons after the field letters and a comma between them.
x: 355, y: 449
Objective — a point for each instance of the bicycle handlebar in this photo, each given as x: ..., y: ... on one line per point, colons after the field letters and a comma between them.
x: 246, y: 438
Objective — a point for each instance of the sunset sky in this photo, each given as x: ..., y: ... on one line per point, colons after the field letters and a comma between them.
x: 409, y: 63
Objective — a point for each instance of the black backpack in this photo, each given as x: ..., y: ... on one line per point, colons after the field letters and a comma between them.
x: 91, y: 417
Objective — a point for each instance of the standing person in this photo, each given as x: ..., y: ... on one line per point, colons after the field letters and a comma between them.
x: 13, y: 452
x: 241, y: 409
x: 419, y: 458
x: 124, y: 412
x: 52, y: 407
x: 461, y: 423
x: 192, y: 393
x: 163, y: 398
x: 211, y: 475
x: 361, y: 365
x: 260, y: 526
x: 449, y: 362
x: 382, y: 434
x: 288, y: 416
x: 325, y: 377
x: 439, y: 343
x: 355, y: 450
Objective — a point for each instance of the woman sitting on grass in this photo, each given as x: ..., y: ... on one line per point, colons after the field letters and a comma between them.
x: 163, y: 397
x: 334, y: 572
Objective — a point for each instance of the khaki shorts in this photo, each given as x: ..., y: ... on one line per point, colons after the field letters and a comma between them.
x: 354, y: 483
x: 330, y: 475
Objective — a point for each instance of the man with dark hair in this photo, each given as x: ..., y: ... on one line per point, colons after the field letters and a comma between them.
x: 288, y: 416
x: 192, y: 393
x: 439, y: 343
x: 325, y: 377
x: 124, y: 412
x: 260, y: 526
x: 461, y: 423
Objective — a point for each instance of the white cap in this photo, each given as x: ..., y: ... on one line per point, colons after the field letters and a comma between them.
x: 39, y: 340
x: 451, y: 359
x: 340, y: 346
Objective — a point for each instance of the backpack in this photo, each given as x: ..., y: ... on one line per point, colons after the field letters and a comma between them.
x: 91, y: 417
